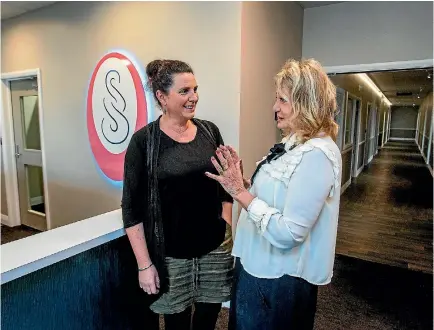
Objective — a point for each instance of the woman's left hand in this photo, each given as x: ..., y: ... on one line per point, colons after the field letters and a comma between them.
x: 231, y: 177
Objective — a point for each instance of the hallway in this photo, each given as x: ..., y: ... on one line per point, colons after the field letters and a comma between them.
x: 386, y: 213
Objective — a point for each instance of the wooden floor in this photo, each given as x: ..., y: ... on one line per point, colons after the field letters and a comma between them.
x: 386, y: 215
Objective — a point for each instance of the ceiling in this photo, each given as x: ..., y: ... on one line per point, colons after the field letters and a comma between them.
x: 313, y: 4
x: 11, y: 9
x: 414, y: 84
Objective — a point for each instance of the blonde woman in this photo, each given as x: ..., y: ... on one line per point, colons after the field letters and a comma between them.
x: 286, y: 234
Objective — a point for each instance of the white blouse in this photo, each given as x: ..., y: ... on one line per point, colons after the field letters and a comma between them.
x: 291, y: 226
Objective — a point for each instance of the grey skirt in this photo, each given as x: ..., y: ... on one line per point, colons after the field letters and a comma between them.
x: 207, y: 279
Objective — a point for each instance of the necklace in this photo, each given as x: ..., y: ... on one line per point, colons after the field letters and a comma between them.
x: 179, y: 130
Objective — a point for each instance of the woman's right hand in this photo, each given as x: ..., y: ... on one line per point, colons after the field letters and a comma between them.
x: 236, y: 158
x: 149, y: 280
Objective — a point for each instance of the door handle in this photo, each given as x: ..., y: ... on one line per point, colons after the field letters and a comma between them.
x: 17, y: 151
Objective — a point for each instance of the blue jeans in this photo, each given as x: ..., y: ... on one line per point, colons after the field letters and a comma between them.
x: 271, y: 304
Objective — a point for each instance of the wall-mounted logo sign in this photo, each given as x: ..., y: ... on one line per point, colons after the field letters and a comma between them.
x: 116, y: 108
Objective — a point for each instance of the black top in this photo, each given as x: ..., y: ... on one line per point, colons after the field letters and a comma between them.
x: 191, y: 203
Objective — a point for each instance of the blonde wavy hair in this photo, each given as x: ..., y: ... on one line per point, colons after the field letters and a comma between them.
x: 312, y: 96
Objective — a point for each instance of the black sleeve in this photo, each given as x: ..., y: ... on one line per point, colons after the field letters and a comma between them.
x: 134, y: 194
x: 224, y: 196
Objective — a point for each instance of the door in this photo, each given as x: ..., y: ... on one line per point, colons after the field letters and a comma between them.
x: 372, y: 133
x: 355, y: 132
x: 339, y: 117
x: 348, y: 140
x: 377, y: 131
x: 368, y: 133
x: 25, y: 112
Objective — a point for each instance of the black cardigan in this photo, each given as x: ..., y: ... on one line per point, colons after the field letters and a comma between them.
x: 153, y: 226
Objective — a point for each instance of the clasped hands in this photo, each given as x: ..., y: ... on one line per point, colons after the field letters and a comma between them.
x: 230, y: 169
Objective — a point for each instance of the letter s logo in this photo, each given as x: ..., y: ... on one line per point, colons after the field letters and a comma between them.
x: 116, y: 108
x: 119, y: 125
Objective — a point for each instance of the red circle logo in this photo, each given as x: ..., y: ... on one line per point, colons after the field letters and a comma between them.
x: 116, y: 108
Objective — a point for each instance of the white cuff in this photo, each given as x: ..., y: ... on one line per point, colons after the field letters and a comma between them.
x: 260, y: 213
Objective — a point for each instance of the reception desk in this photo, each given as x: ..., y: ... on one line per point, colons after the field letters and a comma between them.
x: 79, y: 276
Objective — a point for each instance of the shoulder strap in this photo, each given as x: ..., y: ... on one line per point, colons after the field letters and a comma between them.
x: 206, y: 127
x: 154, y: 224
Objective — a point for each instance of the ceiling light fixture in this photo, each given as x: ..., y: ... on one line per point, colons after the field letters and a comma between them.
x: 374, y: 87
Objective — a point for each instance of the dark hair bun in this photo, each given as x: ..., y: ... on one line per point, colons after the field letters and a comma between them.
x: 160, y: 74
x: 153, y: 67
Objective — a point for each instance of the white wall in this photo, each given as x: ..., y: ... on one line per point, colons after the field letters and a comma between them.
x: 271, y: 33
x: 425, y: 129
x: 3, y: 197
x: 368, y: 32
x: 67, y: 39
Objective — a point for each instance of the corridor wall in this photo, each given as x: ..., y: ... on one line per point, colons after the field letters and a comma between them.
x: 425, y: 129
x: 358, y: 88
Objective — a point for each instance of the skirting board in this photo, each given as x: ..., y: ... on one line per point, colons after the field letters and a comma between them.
x: 360, y: 170
x: 430, y: 169
x: 401, y: 139
x: 345, y: 186
x: 36, y: 200
x: 425, y: 160
x: 5, y: 220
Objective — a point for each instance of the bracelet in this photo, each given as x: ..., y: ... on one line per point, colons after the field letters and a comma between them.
x: 142, y: 269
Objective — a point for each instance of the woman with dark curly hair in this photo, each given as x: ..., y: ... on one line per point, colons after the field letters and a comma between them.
x: 176, y: 218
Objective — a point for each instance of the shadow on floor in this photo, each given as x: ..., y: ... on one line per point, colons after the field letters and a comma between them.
x: 10, y: 234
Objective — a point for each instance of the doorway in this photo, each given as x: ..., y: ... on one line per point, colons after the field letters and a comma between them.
x: 25, y: 173
x: 350, y: 138
x: 368, y: 134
